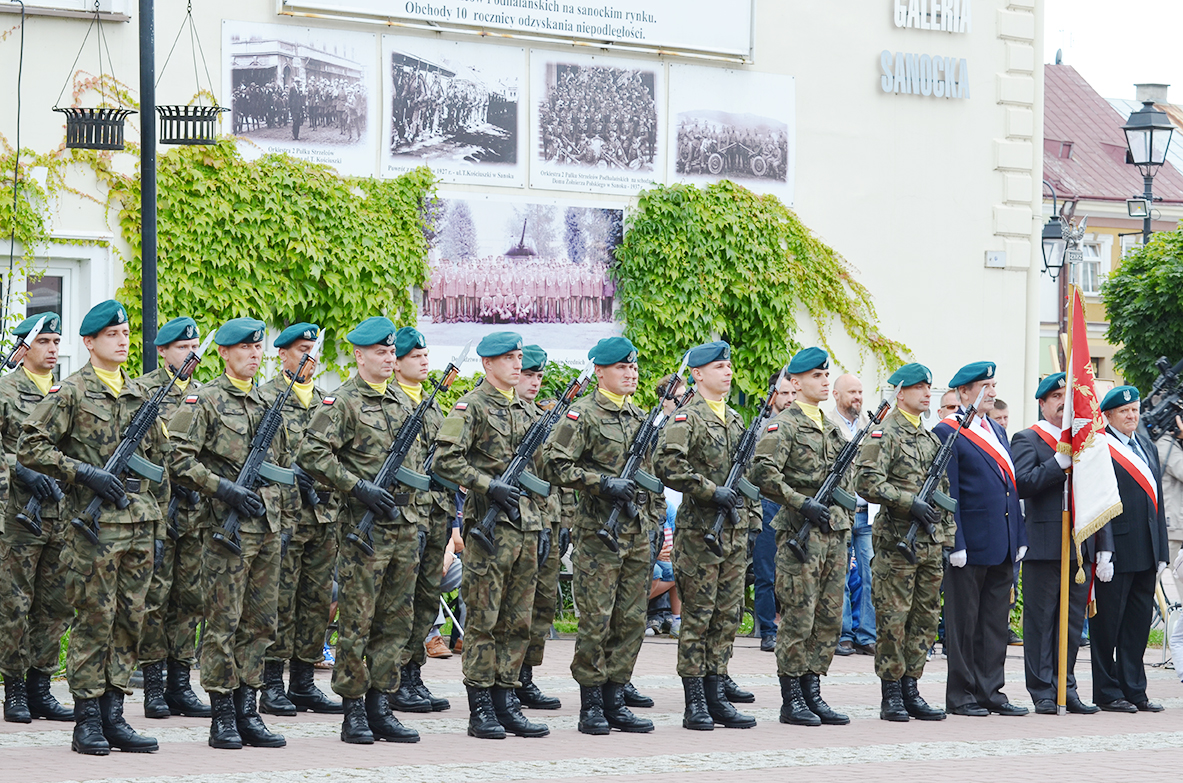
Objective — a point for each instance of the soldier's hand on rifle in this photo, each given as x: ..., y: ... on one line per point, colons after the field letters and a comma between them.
x: 504, y: 495
x: 816, y: 513
x: 158, y: 555
x: 285, y: 540
x: 306, y: 483
x: 376, y: 499
x: 725, y: 497
x: 543, y: 545
x: 105, y: 485
x: 564, y: 540
x: 39, y: 484
x: 422, y: 543
x: 925, y: 513
x: 241, y: 499
x: 618, y: 488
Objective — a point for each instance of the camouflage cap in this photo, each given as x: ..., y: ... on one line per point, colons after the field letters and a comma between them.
x: 1049, y: 384
x: 498, y: 343
x: 972, y: 373
x: 809, y: 359
x: 910, y: 375
x: 240, y: 330
x: 300, y: 331
x: 706, y: 353
x: 376, y: 330
x: 408, y: 339
x: 52, y: 325
x: 102, y: 315
x: 1119, y: 396
x: 611, y: 350
x: 533, y: 358
x: 180, y: 328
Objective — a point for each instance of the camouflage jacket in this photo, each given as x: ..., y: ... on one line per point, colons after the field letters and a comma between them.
x: 211, y: 437
x: 433, y: 419
x: 296, y: 419
x: 592, y: 441
x: 188, y: 517
x: 792, y: 460
x: 81, y: 420
x: 476, y: 444
x: 890, y: 471
x: 18, y: 396
x: 694, y: 457
x: 348, y: 440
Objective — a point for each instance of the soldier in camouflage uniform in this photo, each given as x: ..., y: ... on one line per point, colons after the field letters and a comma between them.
x: 587, y: 452
x: 891, y: 469
x: 792, y: 460
x: 33, y: 568
x: 344, y: 446
x: 174, y: 605
x: 70, y: 433
x: 308, y: 546
x: 475, y: 445
x: 694, y: 456
x: 211, y: 437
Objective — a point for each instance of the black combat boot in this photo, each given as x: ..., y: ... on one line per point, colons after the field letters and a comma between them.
x: 179, y: 695
x: 118, y: 733
x: 733, y: 693
x: 915, y: 704
x: 618, y: 715
x: 355, y: 728
x: 16, y: 700
x: 720, y: 709
x: 383, y: 724
x: 303, y: 693
x: 509, y: 715
x: 696, y: 716
x: 154, y: 704
x: 223, y: 730
x: 634, y: 699
x: 438, y: 703
x: 42, y: 703
x: 811, y: 689
x: 482, y: 718
x: 250, y: 726
x: 531, y: 696
x: 88, y: 729
x: 591, y: 710
x: 892, y: 706
x: 272, y: 699
x: 407, y: 698
x: 794, y: 710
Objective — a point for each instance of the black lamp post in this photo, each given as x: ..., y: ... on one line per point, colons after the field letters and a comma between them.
x: 1147, y: 136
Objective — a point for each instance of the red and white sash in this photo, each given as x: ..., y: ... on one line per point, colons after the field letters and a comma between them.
x: 988, y: 445
x: 1134, y: 465
x: 1048, y: 432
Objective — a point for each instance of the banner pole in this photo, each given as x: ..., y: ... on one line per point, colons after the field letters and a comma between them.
x: 1065, y: 528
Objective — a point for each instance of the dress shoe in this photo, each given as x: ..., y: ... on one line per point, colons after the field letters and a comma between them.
x: 88, y: 729
x: 844, y: 648
x: 633, y: 698
x: 1014, y: 638
x: 696, y: 717
x: 482, y: 719
x: 436, y: 647
x: 530, y: 695
x: 42, y: 703
x: 303, y: 693
x: 118, y: 733
x: 768, y: 643
x: 1045, y: 707
x: 971, y: 710
x: 1008, y: 709
x: 179, y: 695
x: 865, y: 649
x: 794, y: 710
x: 458, y: 647
x: 1118, y: 705
x: 154, y: 704
x: 383, y: 724
x: 734, y: 693
x: 1078, y: 707
x: 1148, y: 706
x: 811, y: 689
x: 915, y: 704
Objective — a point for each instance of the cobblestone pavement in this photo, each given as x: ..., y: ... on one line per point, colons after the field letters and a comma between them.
x: 1109, y: 747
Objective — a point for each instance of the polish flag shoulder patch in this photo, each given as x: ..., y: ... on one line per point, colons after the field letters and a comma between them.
x: 54, y: 388
x: 460, y: 406
x: 329, y: 400
x: 192, y: 398
x: 877, y: 434
x: 773, y: 427
x: 680, y: 417
x: 573, y: 415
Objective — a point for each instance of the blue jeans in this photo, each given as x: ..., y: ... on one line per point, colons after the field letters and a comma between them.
x: 862, y: 631
x: 764, y: 566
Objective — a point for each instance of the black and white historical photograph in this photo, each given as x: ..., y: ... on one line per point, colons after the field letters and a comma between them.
x: 310, y: 93
x: 736, y: 125
x: 596, y: 123
x: 453, y: 106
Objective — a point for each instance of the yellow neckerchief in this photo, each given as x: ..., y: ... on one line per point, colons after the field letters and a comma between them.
x: 914, y: 420
x: 114, y: 380
x: 812, y: 411
x: 182, y: 383
x: 303, y: 392
x: 43, y: 382
x: 618, y: 400
x: 379, y: 387
x: 719, y: 407
x: 414, y: 392
x: 506, y: 393
x: 242, y: 386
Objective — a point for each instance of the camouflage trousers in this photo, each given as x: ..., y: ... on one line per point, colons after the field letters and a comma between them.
x: 107, y: 585
x: 36, y: 613
x: 612, y: 593
x: 810, y: 596
x: 907, y: 601
x: 499, y: 592
x: 711, y: 589
x: 546, y: 601
x: 305, y: 593
x: 174, y: 604
x: 427, y: 583
x: 375, y: 609
x: 241, y: 593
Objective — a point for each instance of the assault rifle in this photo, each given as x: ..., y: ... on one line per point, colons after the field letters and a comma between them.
x: 17, y: 354
x: 256, y: 469
x: 831, y: 491
x: 516, y: 474
x: 192, y: 497
x: 1163, y: 403
x: 392, y: 468
x: 124, y: 458
x: 929, y: 492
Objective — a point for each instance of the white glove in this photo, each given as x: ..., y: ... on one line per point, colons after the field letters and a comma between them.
x: 958, y: 558
x: 1161, y: 567
x: 1022, y: 553
x: 1105, y: 566
x: 1178, y: 568
x: 1063, y: 460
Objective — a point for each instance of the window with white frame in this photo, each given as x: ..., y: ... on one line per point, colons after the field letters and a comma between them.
x: 1130, y: 243
x: 1088, y: 273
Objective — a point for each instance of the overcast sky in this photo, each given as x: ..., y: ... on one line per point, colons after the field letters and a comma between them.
x: 1115, y: 45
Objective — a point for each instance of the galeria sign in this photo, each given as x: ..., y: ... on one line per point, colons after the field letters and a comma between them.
x: 950, y: 16
x: 936, y: 76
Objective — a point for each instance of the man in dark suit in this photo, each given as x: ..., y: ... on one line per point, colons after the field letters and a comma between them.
x: 1137, y: 539
x: 990, y: 539
x: 1040, y: 472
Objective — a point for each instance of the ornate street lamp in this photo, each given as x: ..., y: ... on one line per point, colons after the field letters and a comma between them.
x: 1147, y: 136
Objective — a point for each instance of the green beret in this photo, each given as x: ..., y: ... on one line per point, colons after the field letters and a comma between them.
x: 300, y: 331
x: 180, y: 328
x: 611, y: 350
x: 1049, y: 384
x: 408, y: 339
x: 701, y: 355
x: 533, y: 358
x: 1122, y: 395
x: 498, y: 343
x: 240, y: 330
x: 376, y: 330
x: 102, y: 315
x: 972, y: 373
x: 809, y: 359
x: 910, y: 375
x: 52, y: 325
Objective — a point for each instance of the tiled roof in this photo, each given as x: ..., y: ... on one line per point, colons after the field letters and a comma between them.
x: 1084, y: 148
